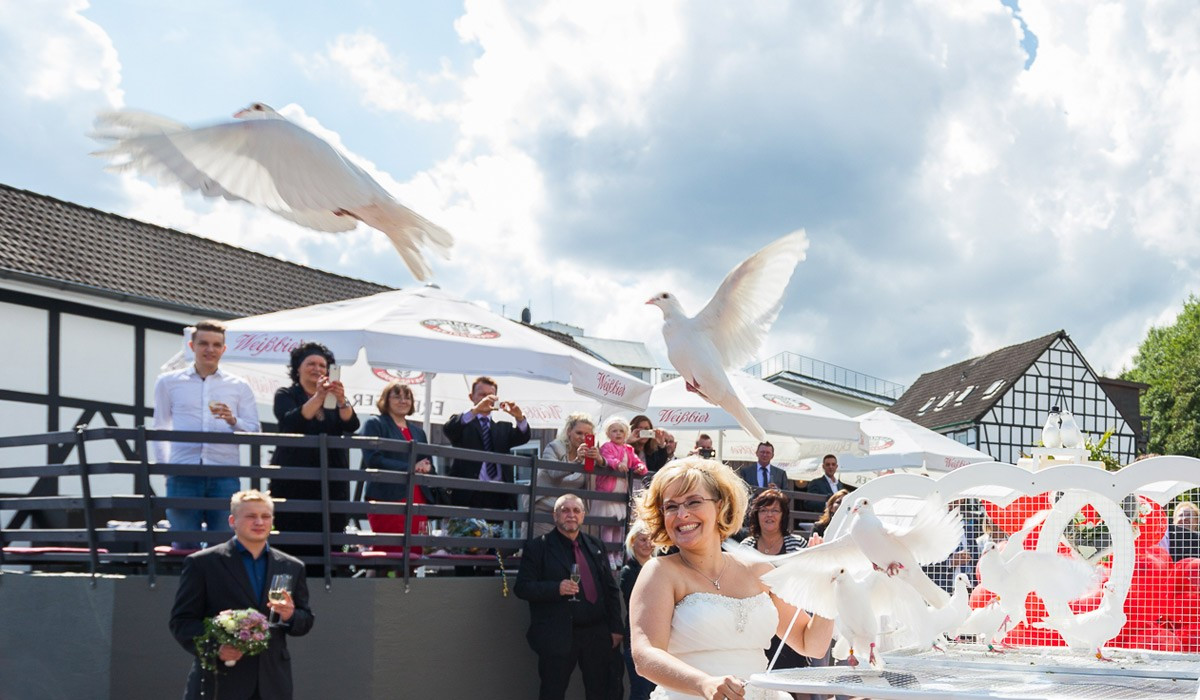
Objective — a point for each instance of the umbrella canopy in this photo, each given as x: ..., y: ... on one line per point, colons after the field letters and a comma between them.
x: 429, y: 331
x: 899, y: 444
x: 545, y: 404
x: 799, y: 427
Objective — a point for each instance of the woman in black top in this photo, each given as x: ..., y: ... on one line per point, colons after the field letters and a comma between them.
x: 639, y: 549
x: 300, y: 409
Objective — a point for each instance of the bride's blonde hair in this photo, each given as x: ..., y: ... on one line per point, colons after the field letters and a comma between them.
x: 684, y: 475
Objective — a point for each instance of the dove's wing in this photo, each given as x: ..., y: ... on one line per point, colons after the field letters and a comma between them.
x: 741, y: 312
x: 934, y: 533
x: 1052, y: 576
x: 805, y: 580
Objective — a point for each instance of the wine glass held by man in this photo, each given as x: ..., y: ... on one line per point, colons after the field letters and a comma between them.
x: 701, y: 618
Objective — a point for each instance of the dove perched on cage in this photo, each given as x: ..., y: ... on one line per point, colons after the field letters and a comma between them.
x: 732, y: 326
x: 1091, y: 630
x: 858, y: 610
x: 985, y: 622
x: 802, y: 578
x: 1015, y: 572
x: 946, y: 620
x: 267, y: 160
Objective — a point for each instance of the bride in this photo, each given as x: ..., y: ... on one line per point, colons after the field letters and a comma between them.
x: 700, y: 619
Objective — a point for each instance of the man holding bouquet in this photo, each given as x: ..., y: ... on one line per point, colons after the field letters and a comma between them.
x: 236, y: 575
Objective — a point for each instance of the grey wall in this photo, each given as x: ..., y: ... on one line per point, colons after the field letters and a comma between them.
x: 63, y: 639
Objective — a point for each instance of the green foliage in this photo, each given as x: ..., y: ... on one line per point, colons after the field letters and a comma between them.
x: 1169, y: 361
x: 1097, y: 453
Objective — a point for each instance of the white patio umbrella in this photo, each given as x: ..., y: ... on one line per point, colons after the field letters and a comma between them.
x: 429, y: 331
x: 798, y: 426
x: 896, y: 444
x: 545, y: 404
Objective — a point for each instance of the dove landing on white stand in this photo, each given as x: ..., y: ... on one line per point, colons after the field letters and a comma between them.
x: 732, y: 326
x: 984, y: 622
x: 266, y: 160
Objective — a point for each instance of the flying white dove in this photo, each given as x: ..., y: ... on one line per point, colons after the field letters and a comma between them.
x: 1016, y: 572
x: 1091, y: 630
x: 266, y: 160
x: 802, y: 579
x: 857, y: 622
x: 731, y: 327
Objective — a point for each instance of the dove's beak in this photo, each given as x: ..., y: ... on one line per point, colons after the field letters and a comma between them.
x: 649, y: 301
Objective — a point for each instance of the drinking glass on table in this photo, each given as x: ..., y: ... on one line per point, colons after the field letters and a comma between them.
x: 281, y: 586
x: 575, y: 580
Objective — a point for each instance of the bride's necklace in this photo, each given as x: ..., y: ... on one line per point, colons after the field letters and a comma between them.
x: 716, y: 582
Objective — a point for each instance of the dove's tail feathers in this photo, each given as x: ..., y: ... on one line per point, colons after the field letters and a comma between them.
x: 409, y: 232
x: 750, y: 555
x: 742, y: 415
x: 930, y: 591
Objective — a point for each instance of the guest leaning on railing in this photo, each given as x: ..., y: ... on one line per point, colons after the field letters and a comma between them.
x: 299, y: 409
x: 568, y: 447
x: 396, y: 403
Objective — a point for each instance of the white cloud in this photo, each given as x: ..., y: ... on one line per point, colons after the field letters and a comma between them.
x: 955, y: 201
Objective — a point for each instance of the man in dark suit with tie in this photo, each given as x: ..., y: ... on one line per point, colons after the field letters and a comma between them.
x: 764, y: 474
x: 474, y: 429
x: 235, y: 575
x: 570, y: 624
x: 825, y: 485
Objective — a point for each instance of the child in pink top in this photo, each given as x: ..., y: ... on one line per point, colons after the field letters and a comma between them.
x: 618, y: 454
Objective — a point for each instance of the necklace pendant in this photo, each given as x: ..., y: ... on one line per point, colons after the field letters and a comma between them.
x: 717, y: 584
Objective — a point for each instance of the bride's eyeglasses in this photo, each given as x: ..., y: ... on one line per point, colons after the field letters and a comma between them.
x: 690, y: 505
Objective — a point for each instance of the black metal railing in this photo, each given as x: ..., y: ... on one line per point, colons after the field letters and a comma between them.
x: 98, y: 547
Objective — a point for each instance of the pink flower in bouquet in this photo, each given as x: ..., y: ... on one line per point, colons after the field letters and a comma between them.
x: 247, y: 631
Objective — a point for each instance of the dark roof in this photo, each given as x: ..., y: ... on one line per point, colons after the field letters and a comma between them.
x: 565, y: 339
x: 1006, y: 364
x: 49, y: 241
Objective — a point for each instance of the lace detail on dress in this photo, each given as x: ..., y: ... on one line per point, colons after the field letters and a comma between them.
x: 739, y: 606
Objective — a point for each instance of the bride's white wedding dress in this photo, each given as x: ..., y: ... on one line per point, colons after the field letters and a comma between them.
x: 723, y: 636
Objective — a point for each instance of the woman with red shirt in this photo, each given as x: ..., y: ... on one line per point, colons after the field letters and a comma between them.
x: 395, y: 404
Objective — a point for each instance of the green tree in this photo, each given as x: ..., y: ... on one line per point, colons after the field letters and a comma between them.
x: 1169, y: 361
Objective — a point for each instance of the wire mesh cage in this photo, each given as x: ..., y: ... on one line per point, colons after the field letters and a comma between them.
x: 1083, y: 582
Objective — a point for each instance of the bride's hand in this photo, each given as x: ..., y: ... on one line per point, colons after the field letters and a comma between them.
x: 724, y: 688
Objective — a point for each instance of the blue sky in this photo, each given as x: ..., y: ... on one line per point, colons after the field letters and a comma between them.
x: 957, y: 196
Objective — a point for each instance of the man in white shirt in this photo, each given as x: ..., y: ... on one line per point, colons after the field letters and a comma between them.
x: 202, y: 398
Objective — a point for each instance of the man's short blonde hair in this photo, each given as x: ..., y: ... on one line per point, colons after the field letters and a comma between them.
x: 250, y: 496
x: 690, y: 473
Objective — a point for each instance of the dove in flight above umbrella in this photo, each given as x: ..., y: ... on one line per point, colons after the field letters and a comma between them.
x: 731, y: 327
x: 266, y: 160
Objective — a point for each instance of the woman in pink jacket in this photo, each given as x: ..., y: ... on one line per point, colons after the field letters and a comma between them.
x: 618, y: 454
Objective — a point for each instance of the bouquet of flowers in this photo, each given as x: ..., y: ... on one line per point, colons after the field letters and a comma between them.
x: 469, y: 527
x: 247, y: 630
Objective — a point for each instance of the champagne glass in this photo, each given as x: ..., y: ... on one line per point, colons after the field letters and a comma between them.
x: 575, y: 580
x: 281, y: 585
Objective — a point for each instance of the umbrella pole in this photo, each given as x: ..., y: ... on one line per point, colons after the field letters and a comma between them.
x: 428, y: 418
x: 721, y: 445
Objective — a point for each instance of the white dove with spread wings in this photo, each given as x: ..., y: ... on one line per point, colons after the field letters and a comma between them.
x: 732, y: 326
x: 266, y: 160
x: 802, y: 579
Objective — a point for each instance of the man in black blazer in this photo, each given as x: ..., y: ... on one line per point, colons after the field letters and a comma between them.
x: 825, y: 485
x: 570, y: 624
x: 773, y: 476
x: 476, y: 430
x: 235, y: 575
